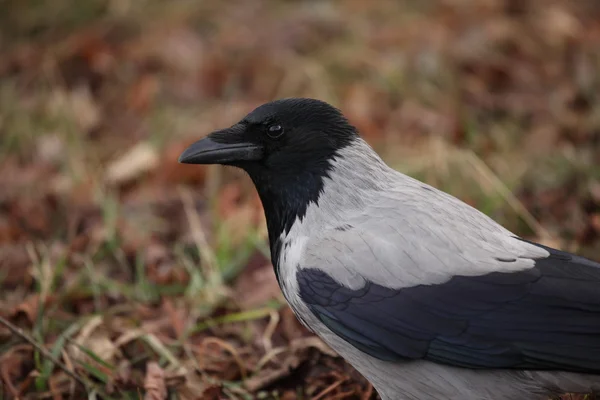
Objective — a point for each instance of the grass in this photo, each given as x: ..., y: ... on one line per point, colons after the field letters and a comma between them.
x: 143, y: 269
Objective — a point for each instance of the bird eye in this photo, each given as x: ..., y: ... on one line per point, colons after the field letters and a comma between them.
x: 275, y: 131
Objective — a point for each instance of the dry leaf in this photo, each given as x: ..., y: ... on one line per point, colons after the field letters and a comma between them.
x: 15, y: 265
x: 50, y: 148
x: 29, y: 307
x: 94, y: 337
x: 154, y: 384
x: 77, y: 105
x: 138, y: 160
x: 298, y: 345
x: 293, y: 358
x: 255, y: 286
x: 595, y: 191
x: 84, y: 108
x: 171, y: 171
x: 266, y: 377
x: 176, y: 316
x: 143, y: 92
x: 595, y: 221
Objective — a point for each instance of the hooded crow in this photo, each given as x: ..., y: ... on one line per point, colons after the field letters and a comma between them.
x: 424, y: 295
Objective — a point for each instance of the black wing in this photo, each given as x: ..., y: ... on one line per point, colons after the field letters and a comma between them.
x: 546, y: 317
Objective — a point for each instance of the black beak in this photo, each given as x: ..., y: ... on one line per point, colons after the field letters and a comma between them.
x: 222, y: 147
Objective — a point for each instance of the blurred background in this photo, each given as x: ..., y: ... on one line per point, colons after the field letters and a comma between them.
x: 143, y: 278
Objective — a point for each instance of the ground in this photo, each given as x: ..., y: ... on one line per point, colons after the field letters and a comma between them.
x: 126, y: 275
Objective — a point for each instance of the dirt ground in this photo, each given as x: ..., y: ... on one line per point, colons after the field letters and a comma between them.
x: 124, y: 275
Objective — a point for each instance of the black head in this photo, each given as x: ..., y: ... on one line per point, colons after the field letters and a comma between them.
x: 287, y: 147
x: 283, y: 136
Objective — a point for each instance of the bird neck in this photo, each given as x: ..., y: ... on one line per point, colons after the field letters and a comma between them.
x: 306, y: 201
x: 286, y: 199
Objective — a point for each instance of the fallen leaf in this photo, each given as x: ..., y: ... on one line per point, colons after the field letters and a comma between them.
x: 96, y: 51
x: 84, y: 108
x: 267, y: 377
x: 123, y: 374
x: 239, y: 223
x: 154, y: 383
x: 50, y: 148
x: 359, y: 103
x: 291, y: 327
x: 230, y: 196
x: 214, y: 392
x: 196, y: 387
x: 176, y: 316
x: 143, y: 92
x: 595, y: 191
x: 54, y: 384
x: 255, y: 286
x: 297, y: 345
x: 138, y: 160
x: 295, y: 356
x: 558, y: 25
x: 95, y: 338
x: 9, y: 231
x: 15, y: 266
x: 595, y: 221
x: 171, y: 171
x: 77, y: 105
x: 29, y: 307
x: 10, y: 364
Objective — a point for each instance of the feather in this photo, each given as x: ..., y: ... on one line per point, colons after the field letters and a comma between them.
x: 544, y: 317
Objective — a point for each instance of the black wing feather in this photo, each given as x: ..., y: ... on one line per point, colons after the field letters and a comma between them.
x: 546, y: 317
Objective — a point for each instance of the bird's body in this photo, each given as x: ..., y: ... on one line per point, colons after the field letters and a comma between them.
x: 365, y: 231
x: 427, y: 297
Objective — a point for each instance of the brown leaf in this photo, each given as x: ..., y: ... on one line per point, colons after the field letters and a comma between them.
x: 55, y: 387
x: 131, y: 165
x: 95, y: 337
x: 359, y: 103
x: 315, y: 342
x: 290, y: 326
x: 96, y: 51
x: 123, y: 373
x: 154, y: 383
x: 215, y: 72
x: 15, y: 266
x: 239, y: 223
x: 171, y: 171
x: 9, y: 365
x: 176, y: 316
x: 178, y: 49
x: 50, y: 148
x: 229, y: 199
x: 160, y: 266
x: 9, y: 230
x: 595, y: 191
x: 595, y: 221
x: 85, y: 111
x: 266, y: 377
x: 33, y: 215
x: 558, y: 25
x: 143, y: 92
x: 255, y: 286
x: 296, y: 355
x: 214, y: 392
x: 29, y: 307
x: 196, y: 387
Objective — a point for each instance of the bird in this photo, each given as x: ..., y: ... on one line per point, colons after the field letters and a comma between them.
x: 427, y: 297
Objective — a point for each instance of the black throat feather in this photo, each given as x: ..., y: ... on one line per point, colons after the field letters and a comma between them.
x: 286, y: 198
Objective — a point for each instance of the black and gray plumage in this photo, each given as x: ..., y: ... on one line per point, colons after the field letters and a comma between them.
x: 424, y: 295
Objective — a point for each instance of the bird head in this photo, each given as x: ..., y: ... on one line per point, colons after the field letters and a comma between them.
x: 288, y: 147
x: 283, y: 137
